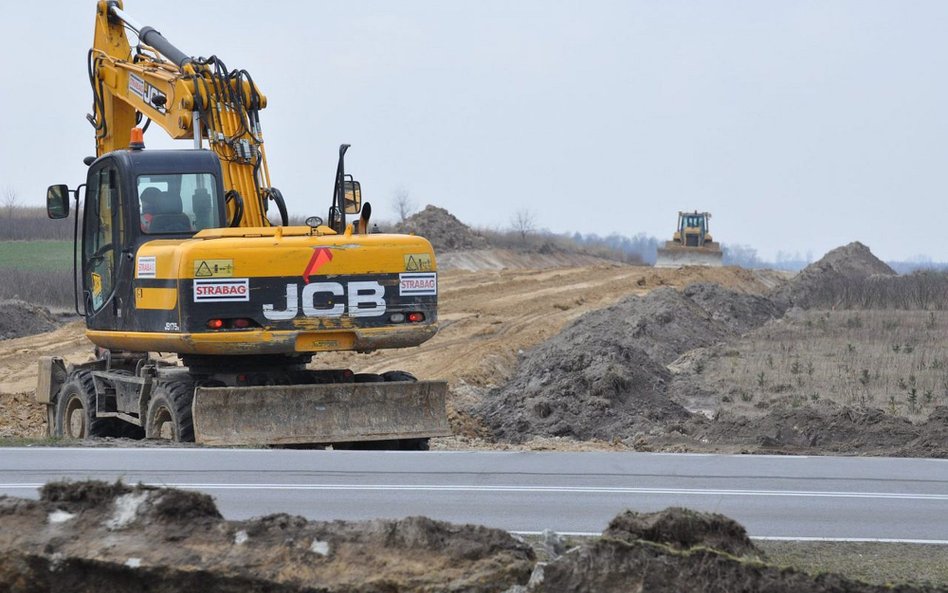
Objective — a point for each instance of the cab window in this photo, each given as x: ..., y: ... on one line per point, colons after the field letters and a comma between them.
x: 104, y: 234
x: 178, y: 203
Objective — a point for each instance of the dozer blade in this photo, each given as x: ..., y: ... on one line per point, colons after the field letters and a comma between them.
x: 678, y: 257
x: 328, y: 413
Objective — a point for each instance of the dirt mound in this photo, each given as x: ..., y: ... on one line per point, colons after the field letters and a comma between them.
x: 94, y: 536
x: 614, y: 566
x: 605, y: 376
x: 830, y: 428
x: 442, y: 229
x: 683, y: 529
x: 19, y: 318
x: 111, y: 537
x: 819, y: 281
x: 740, y: 312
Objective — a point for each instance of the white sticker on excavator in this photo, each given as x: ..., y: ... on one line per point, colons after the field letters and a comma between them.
x: 220, y: 290
x: 147, y: 267
x: 418, y: 284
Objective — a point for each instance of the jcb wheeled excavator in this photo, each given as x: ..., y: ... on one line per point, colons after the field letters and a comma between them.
x: 178, y: 256
x: 691, y: 245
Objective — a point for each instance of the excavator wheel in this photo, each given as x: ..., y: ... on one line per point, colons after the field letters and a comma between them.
x: 75, y: 410
x: 169, y: 412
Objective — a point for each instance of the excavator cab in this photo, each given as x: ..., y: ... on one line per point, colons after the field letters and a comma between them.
x: 133, y: 197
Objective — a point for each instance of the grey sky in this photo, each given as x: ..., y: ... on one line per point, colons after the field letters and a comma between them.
x: 800, y: 125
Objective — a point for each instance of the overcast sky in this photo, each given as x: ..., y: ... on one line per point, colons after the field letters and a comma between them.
x: 800, y: 125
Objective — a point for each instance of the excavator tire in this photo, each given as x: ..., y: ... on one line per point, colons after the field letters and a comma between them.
x: 169, y: 412
x: 75, y: 410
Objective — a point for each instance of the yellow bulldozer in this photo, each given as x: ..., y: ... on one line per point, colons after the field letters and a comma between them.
x: 691, y: 244
x: 177, y: 254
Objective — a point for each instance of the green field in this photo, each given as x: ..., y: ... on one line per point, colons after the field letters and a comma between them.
x: 46, y: 256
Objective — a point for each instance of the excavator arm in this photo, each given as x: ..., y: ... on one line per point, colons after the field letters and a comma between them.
x: 187, y: 97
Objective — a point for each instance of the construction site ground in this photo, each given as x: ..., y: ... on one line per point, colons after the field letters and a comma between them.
x: 699, y: 338
x: 488, y: 318
x: 566, y: 352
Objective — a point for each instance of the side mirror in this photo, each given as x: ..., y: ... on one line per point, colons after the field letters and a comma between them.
x: 57, y: 201
x: 353, y: 193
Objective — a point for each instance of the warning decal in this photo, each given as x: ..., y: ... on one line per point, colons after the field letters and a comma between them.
x: 418, y: 262
x: 418, y: 284
x: 96, y: 284
x: 213, y: 268
x: 219, y: 291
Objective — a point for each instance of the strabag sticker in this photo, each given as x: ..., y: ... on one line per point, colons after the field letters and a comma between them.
x: 221, y: 291
x: 418, y: 284
x: 147, y: 268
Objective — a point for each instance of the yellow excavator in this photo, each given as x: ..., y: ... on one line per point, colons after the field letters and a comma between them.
x: 691, y: 245
x: 178, y: 254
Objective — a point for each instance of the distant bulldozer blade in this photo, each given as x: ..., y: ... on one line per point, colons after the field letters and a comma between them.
x: 678, y: 257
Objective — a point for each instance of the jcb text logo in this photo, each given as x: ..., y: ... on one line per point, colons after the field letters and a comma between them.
x: 359, y: 299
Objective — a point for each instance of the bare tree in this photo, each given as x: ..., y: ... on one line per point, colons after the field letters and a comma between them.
x: 403, y: 204
x: 10, y: 200
x: 524, y: 222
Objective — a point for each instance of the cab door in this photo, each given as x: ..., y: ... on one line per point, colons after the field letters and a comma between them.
x: 103, y: 244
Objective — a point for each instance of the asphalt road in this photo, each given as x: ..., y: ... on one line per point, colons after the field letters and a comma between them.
x: 773, y: 496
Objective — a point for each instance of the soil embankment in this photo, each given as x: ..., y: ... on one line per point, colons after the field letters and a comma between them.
x: 631, y: 374
x: 93, y: 536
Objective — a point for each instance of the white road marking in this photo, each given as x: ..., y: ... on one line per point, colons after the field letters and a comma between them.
x: 780, y: 538
x: 870, y: 540
x: 530, y: 489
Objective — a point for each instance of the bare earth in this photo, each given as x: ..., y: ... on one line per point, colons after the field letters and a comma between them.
x: 487, y: 318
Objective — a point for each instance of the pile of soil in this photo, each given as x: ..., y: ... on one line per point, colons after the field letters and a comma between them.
x: 93, y: 536
x: 442, y: 229
x: 818, y: 283
x: 19, y: 318
x: 613, y: 565
x: 829, y: 428
x: 605, y: 376
x: 683, y: 529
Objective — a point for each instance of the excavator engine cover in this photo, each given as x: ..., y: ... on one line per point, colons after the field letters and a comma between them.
x: 327, y: 413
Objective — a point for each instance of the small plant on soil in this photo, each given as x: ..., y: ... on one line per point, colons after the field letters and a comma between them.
x: 865, y: 377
